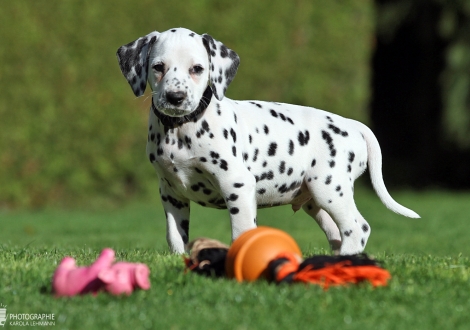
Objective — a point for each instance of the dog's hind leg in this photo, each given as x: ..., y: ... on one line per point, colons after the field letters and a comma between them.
x: 331, y: 194
x: 326, y: 223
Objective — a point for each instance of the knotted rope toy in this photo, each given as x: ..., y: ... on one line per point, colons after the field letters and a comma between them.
x: 272, y: 254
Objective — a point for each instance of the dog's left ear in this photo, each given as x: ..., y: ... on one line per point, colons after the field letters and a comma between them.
x: 224, y: 63
x: 133, y: 61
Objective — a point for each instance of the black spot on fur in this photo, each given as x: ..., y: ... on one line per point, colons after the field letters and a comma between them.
x: 234, y: 210
x: 223, y: 51
x: 185, y: 226
x: 255, y: 155
x: 238, y: 185
x: 223, y: 165
x: 286, y: 188
x: 176, y: 203
x: 265, y: 176
x: 338, y: 131
x: 261, y: 191
x: 328, y: 179
x: 351, y: 156
x: 232, y: 197
x: 188, y: 141
x: 205, y: 125
x: 234, y: 135
x: 272, y: 149
x: 329, y: 140
x: 291, y: 147
x: 257, y: 104
x: 234, y: 151
x: 303, y: 138
x: 365, y: 228
x: 314, y: 161
x: 282, y: 167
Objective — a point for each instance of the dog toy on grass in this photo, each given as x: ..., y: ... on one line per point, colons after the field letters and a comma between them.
x: 118, y: 278
x: 272, y: 254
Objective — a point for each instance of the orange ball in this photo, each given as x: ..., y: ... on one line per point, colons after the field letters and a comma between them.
x: 249, y: 256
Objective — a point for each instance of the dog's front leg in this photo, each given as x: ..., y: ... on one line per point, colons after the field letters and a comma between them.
x: 177, y: 218
x: 240, y: 197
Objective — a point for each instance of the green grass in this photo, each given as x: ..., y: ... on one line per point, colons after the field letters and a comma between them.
x: 428, y: 260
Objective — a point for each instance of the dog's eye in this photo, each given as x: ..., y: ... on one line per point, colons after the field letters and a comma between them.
x: 159, y: 67
x: 197, y: 69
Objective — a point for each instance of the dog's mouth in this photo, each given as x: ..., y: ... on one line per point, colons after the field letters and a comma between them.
x: 173, y: 112
x: 172, y: 115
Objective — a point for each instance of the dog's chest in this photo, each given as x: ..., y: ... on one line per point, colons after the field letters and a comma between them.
x: 169, y: 150
x: 176, y: 155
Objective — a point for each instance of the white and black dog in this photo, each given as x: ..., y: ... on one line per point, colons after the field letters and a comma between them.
x: 244, y: 155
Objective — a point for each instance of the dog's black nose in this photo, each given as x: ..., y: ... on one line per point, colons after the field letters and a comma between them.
x: 176, y: 98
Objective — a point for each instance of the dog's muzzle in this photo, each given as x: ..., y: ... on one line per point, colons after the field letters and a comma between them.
x: 176, y: 98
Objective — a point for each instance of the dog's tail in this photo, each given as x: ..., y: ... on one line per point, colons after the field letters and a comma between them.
x: 374, y: 160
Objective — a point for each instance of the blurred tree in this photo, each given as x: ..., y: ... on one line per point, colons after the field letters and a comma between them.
x: 420, y: 105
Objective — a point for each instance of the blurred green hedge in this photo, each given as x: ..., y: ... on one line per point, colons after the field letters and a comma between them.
x: 72, y: 130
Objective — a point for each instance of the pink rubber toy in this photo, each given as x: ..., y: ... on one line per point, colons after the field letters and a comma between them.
x: 122, y: 277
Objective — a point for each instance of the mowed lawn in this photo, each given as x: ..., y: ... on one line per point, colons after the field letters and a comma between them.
x: 428, y: 259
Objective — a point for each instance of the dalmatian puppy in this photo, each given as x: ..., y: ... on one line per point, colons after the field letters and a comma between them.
x: 244, y: 155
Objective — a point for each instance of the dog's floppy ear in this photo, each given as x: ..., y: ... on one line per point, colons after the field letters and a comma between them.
x: 223, y: 65
x: 133, y: 61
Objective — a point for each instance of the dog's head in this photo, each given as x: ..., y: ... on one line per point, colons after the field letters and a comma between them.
x: 178, y: 65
